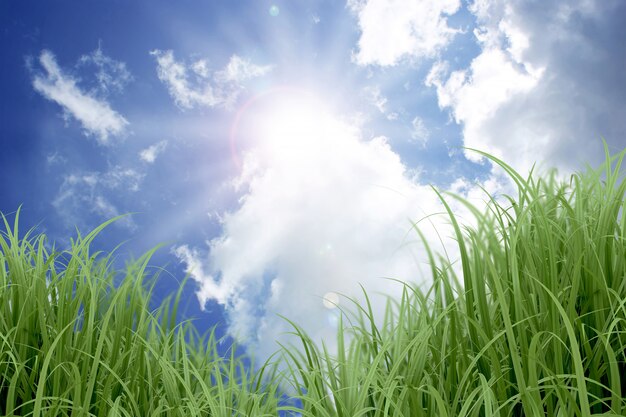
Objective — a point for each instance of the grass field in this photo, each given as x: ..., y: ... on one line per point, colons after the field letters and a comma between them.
x: 535, y: 326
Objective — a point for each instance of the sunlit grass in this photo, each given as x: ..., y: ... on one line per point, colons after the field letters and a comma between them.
x: 73, y: 343
x: 534, y: 326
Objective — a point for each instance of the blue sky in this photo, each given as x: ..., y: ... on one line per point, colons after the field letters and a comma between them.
x: 280, y: 149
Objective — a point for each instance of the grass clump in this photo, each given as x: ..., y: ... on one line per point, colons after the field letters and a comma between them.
x: 74, y: 343
x: 534, y: 326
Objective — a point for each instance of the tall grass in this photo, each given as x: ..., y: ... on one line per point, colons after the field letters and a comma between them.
x: 534, y: 326
x: 74, y: 343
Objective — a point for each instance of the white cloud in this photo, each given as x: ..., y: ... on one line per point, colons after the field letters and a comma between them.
x: 174, y: 75
x: 111, y: 75
x: 104, y: 208
x: 238, y: 70
x: 95, y: 114
x: 546, y: 85
x: 374, y: 96
x: 419, y: 132
x: 476, y: 95
x: 55, y: 158
x: 323, y: 210
x: 118, y: 177
x: 395, y: 29
x: 150, y: 154
x: 192, y: 85
x: 200, y: 67
x: 92, y: 191
x: 378, y: 100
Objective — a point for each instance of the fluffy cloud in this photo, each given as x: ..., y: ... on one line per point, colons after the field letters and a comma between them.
x: 94, y: 114
x: 150, y: 154
x: 547, y: 84
x: 92, y: 190
x: 322, y: 211
x: 396, y: 29
x: 193, y: 84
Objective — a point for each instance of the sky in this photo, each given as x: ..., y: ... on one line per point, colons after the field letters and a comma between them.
x: 282, y: 152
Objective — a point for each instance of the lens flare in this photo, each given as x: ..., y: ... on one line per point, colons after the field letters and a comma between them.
x: 274, y: 10
x: 331, y: 300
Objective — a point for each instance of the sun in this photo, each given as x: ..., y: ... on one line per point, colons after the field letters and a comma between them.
x: 285, y: 121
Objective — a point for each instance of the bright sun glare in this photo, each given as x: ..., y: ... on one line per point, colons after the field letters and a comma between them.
x: 285, y: 121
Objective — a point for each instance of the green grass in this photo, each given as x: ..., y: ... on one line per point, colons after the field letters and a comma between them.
x: 73, y: 343
x: 535, y: 326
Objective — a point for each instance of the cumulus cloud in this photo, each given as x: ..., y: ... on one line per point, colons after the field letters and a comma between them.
x: 395, y: 29
x: 150, y: 154
x: 92, y: 191
x: 548, y: 83
x: 193, y: 84
x: 476, y: 94
x: 322, y: 210
x: 94, y: 114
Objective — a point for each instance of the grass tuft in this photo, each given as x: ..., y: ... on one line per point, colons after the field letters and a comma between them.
x: 535, y: 326
x: 74, y: 343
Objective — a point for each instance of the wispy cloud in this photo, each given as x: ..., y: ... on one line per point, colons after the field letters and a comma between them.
x: 93, y: 191
x: 150, y: 154
x: 545, y: 86
x: 55, y: 158
x: 393, y: 30
x: 378, y: 100
x: 94, y: 114
x: 239, y: 70
x: 194, y: 84
x: 419, y: 132
x: 111, y: 75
